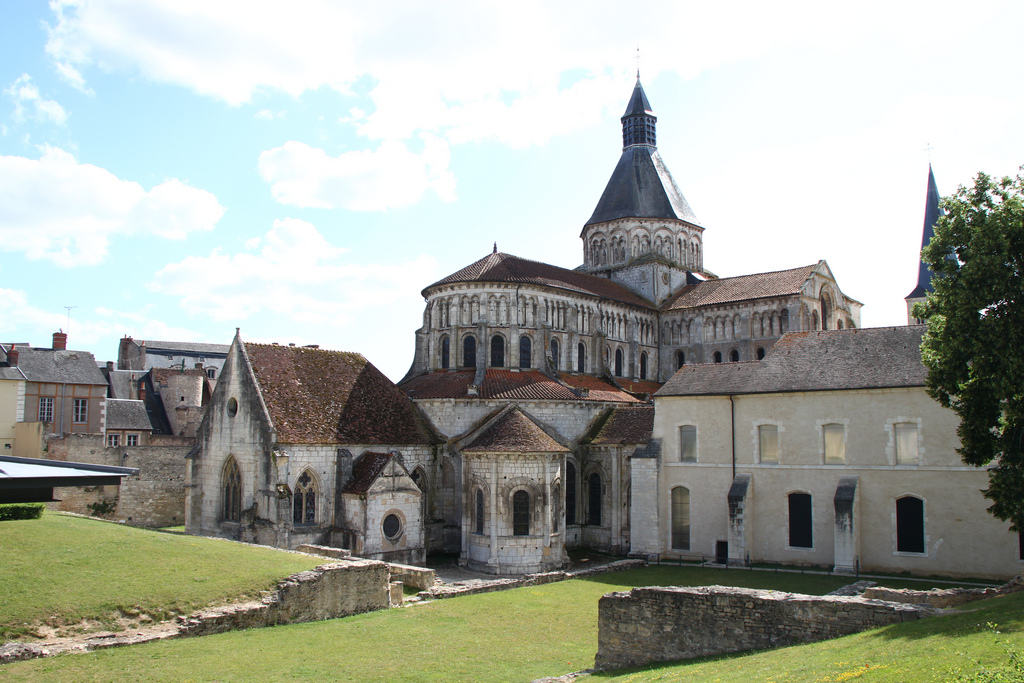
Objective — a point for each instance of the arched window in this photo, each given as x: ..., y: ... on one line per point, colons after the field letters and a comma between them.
x: 525, y: 352
x: 618, y: 362
x: 826, y: 310
x: 497, y: 351
x: 800, y: 529
x: 445, y: 352
x: 231, y: 487
x: 594, y: 499
x: 718, y: 356
x: 581, y: 357
x: 760, y: 352
x: 643, y: 365
x: 469, y: 352
x: 734, y: 355
x: 521, y: 513
x: 784, y: 321
x: 554, y: 354
x: 680, y: 359
x: 570, y: 493
x: 910, y: 525
x: 478, y: 523
x: 304, y: 500
x: 556, y: 502
x: 681, y: 518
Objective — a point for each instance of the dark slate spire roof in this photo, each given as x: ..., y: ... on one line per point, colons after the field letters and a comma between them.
x: 641, y: 186
x: 931, y: 216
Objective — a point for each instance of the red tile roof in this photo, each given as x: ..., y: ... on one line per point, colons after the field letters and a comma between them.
x: 632, y: 425
x: 499, y: 267
x: 514, y: 432
x: 642, y: 386
x: 527, y: 385
x: 741, y: 288
x: 365, y: 471
x: 320, y: 396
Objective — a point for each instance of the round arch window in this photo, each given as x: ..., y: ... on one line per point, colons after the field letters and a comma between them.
x: 392, y: 527
x: 232, y: 406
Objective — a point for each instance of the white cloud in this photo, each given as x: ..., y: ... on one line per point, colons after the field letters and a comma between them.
x: 29, y: 104
x: 58, y: 209
x: 294, y: 281
x: 362, y: 180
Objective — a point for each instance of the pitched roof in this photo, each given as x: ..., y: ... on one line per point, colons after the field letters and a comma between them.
x: 828, y: 360
x: 931, y: 217
x: 499, y: 267
x: 58, y: 366
x: 626, y: 425
x: 640, y: 386
x: 513, y: 431
x: 365, y: 471
x: 641, y: 187
x: 525, y: 385
x: 740, y: 288
x: 184, y: 348
x: 320, y: 396
x: 127, y: 414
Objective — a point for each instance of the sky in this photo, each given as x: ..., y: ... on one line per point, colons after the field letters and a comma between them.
x: 175, y: 169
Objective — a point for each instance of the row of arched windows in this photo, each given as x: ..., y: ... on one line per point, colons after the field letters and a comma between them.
x: 910, y: 530
x: 603, y: 251
x: 502, y: 310
x: 304, y: 495
x: 520, y: 513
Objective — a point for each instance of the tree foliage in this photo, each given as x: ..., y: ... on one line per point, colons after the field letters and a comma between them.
x: 974, y: 345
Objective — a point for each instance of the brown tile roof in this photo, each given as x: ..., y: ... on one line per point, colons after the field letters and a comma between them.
x: 528, y: 385
x: 320, y: 396
x: 632, y: 425
x: 641, y: 386
x: 513, y: 431
x: 741, y: 288
x: 365, y: 471
x: 499, y: 267
x: 814, y: 361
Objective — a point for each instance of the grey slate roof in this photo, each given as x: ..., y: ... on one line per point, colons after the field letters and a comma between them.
x: 127, y: 414
x: 829, y: 360
x: 931, y: 217
x: 122, y: 382
x: 62, y: 367
x: 641, y: 187
x: 638, y: 103
x: 185, y: 348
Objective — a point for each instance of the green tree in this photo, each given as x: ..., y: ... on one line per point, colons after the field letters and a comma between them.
x: 974, y: 345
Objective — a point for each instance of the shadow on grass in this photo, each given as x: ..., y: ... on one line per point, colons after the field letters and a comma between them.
x: 974, y: 617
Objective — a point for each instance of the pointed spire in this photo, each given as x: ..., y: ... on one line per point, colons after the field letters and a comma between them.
x: 931, y: 217
x: 638, y: 123
x: 495, y: 250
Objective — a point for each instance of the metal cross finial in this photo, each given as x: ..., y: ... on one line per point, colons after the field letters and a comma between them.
x: 638, y: 62
x: 928, y: 148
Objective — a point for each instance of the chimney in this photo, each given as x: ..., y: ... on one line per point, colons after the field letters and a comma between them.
x: 110, y: 366
x: 12, y: 357
x: 60, y: 341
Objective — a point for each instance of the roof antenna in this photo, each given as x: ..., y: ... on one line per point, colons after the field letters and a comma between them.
x: 68, y: 309
x: 495, y: 248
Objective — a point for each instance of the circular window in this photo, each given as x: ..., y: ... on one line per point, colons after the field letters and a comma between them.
x: 232, y: 406
x: 392, y: 527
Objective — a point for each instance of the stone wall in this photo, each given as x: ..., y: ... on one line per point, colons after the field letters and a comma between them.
x: 155, y: 497
x: 327, y: 592
x: 659, y: 624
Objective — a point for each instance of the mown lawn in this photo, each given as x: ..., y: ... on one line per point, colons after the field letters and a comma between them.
x: 61, y: 570
x: 515, y: 635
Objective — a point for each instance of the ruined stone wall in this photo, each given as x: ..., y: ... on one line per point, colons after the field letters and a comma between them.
x: 155, y: 497
x: 659, y: 624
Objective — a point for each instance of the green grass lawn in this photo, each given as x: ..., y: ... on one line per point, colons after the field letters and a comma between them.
x: 60, y: 570
x: 522, y: 634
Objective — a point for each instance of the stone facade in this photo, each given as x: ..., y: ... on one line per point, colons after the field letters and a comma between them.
x: 155, y: 497
x: 647, y: 625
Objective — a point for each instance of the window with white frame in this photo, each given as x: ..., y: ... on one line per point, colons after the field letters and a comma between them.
x: 768, y: 443
x: 80, y: 410
x: 906, y: 443
x: 834, y: 436
x: 132, y: 439
x: 113, y: 440
x: 46, y: 409
x: 688, y: 443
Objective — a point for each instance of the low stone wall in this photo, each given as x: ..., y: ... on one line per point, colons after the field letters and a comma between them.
x: 155, y: 497
x: 659, y: 624
x: 942, y: 598
x: 325, y: 551
x: 419, y: 578
x: 490, y: 585
x: 327, y: 592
